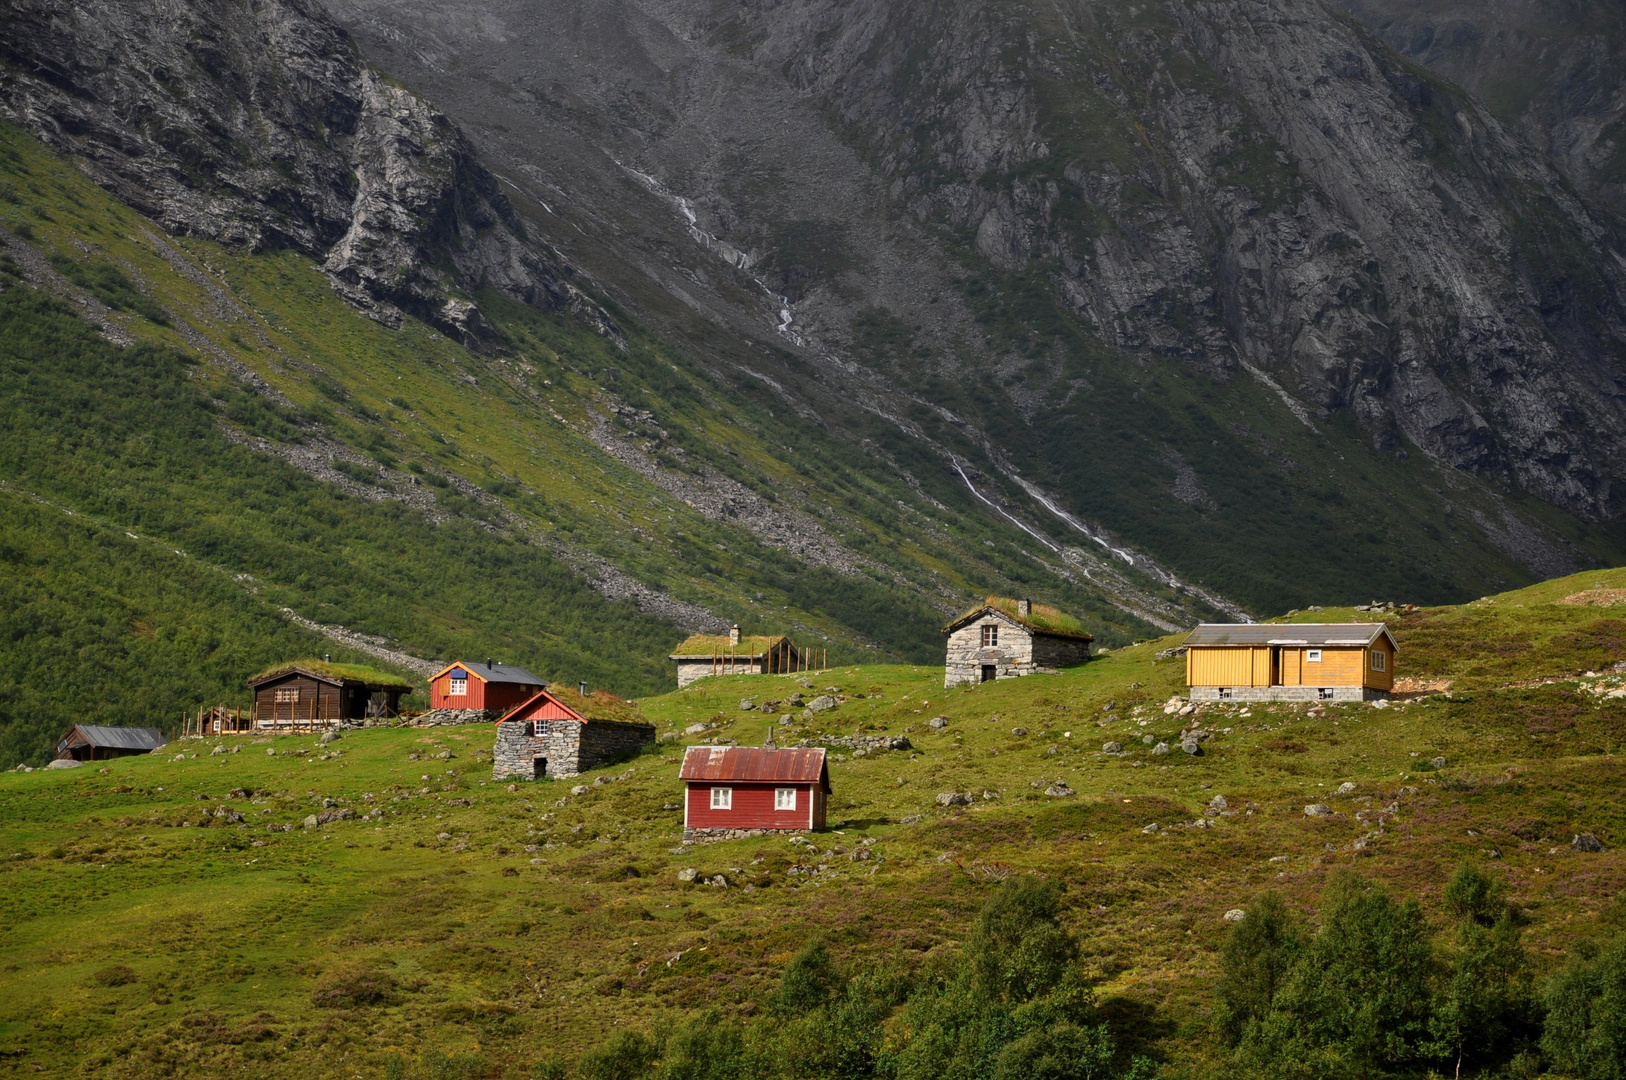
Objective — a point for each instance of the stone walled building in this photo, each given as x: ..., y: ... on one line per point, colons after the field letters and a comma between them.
x: 703, y: 655
x: 558, y: 732
x: 1003, y: 639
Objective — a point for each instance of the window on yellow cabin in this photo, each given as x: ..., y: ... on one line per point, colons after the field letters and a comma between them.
x: 1312, y: 656
x: 1379, y: 660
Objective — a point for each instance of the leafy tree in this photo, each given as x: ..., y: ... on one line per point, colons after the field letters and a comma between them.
x: 703, y: 1048
x: 1585, y: 1032
x: 1255, y: 960
x: 1486, y: 1011
x: 811, y: 980
x: 1019, y: 949
x: 628, y: 1055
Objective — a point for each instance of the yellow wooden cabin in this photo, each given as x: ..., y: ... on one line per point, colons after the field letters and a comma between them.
x: 1290, y: 661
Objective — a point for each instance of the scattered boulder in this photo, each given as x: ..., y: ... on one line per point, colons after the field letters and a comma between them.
x: 688, y: 873
x: 1153, y: 829
x: 1191, y: 747
x: 67, y: 763
x: 445, y: 755
x: 1317, y: 810
x: 1112, y: 748
x: 822, y: 703
x: 746, y: 705
x: 1586, y: 842
x: 1217, y: 805
x: 1346, y: 788
x: 1160, y: 749
x: 580, y: 789
x: 330, y: 737
x: 220, y: 748
x: 694, y: 729
x: 1438, y: 763
x: 443, y: 837
x: 1278, y: 858
x: 938, y: 723
x: 1019, y: 731
x: 953, y: 798
x: 311, y: 822
x: 1148, y: 739
x: 1059, y: 790
x: 720, y: 881
x: 1236, y: 914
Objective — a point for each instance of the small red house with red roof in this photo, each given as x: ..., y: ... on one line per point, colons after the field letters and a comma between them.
x: 560, y: 732
x: 750, y: 787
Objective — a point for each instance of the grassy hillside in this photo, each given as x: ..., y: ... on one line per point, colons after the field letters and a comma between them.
x: 461, y: 928
x: 231, y: 408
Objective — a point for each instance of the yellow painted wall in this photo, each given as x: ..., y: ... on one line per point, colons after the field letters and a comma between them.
x: 1250, y: 666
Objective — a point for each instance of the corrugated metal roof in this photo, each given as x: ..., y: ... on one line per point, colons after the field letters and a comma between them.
x: 1312, y: 634
x: 123, y: 738
x: 494, y: 673
x: 755, y: 763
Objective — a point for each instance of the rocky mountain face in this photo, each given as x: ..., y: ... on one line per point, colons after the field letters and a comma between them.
x: 1178, y: 291
x: 261, y: 125
x: 1552, y: 70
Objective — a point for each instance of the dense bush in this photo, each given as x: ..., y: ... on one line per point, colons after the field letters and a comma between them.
x: 1013, y: 1005
x: 1585, y: 1032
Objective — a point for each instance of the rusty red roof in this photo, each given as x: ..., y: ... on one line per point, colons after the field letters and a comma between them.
x: 755, y: 763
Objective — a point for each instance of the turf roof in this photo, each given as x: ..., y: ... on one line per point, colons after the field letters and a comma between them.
x: 709, y: 645
x: 1042, y: 617
x: 374, y: 678
x: 598, y: 704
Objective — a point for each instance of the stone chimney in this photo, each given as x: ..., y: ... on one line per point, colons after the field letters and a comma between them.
x: 770, y: 743
x: 581, y: 688
x: 1024, y: 608
x: 734, y: 634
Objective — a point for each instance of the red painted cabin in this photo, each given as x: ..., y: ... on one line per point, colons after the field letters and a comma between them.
x: 494, y: 687
x: 748, y: 787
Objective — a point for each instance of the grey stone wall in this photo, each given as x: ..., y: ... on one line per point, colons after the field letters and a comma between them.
x: 565, y: 746
x: 451, y: 717
x: 1019, y: 652
x: 1286, y: 693
x: 690, y: 670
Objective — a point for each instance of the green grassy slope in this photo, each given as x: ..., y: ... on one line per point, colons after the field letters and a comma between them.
x: 143, y: 935
x: 394, y: 483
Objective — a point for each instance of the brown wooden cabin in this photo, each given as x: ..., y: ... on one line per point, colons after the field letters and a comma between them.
x: 316, y: 693
x: 92, y: 742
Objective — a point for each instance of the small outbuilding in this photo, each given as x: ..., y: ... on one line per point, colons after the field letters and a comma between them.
x: 93, y: 742
x: 560, y: 732
x: 1003, y: 639
x: 487, y: 689
x: 733, y: 788
x: 703, y: 655
x: 320, y: 693
x: 1290, y: 661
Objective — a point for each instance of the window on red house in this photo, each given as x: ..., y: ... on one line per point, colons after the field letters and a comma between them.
x: 722, y: 798
x: 784, y: 798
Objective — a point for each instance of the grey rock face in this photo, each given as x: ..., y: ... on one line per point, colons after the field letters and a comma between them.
x: 1586, y: 842
x: 954, y: 798
x: 259, y: 125
x: 1317, y: 810
x: 1112, y: 748
x: 822, y: 703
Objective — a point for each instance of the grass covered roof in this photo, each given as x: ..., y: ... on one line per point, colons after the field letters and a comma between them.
x: 1041, y: 618
x: 706, y: 646
x: 598, y: 704
x: 374, y: 678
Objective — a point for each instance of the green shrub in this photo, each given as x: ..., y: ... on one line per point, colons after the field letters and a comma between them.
x: 1585, y: 1031
x: 1255, y: 960
x: 811, y: 980
x: 628, y: 1055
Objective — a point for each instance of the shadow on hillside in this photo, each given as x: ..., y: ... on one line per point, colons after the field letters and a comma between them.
x: 1136, y: 1025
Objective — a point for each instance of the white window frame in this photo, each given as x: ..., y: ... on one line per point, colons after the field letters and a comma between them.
x: 722, y: 798
x: 1380, y: 660
x: 784, y: 798
x: 1312, y: 656
x: 990, y: 636
x: 457, y: 687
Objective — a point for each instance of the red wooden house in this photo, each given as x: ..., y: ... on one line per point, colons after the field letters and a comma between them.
x: 749, y: 787
x: 492, y: 687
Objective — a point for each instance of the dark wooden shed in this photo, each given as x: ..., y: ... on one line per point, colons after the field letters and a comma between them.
x: 317, y: 693
x: 91, y: 742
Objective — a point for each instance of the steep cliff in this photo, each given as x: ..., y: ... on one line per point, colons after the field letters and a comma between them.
x: 260, y: 125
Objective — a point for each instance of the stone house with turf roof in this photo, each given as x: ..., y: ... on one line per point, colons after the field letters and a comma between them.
x: 703, y: 655
x: 1003, y: 638
x: 561, y: 732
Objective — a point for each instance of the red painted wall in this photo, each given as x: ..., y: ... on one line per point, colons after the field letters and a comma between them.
x: 753, y: 807
x: 545, y: 709
x: 481, y: 695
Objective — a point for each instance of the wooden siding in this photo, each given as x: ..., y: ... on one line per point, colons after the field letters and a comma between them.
x: 1250, y: 665
x: 313, y: 700
x: 496, y: 696
x: 753, y: 807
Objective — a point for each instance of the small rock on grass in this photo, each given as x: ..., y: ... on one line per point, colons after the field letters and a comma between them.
x: 1153, y: 829
x: 746, y: 705
x: 1160, y: 749
x: 1112, y: 748
x: 938, y: 723
x: 1059, y: 790
x: 1346, y: 788
x: 1438, y: 763
x: 1586, y: 842
x: 1019, y: 731
x: 953, y: 798
x: 580, y: 789
x: 1317, y: 810
x: 1191, y: 747
x: 1236, y: 914
x: 688, y: 873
